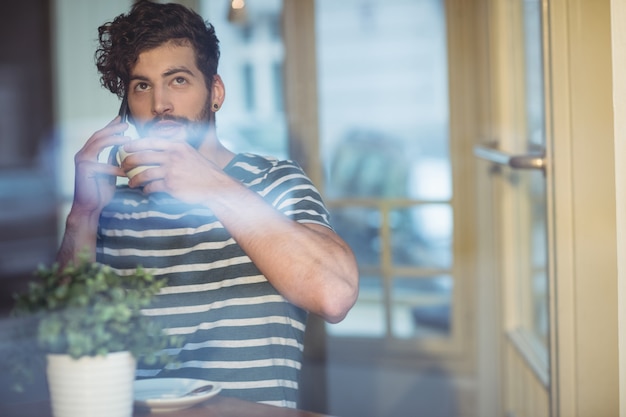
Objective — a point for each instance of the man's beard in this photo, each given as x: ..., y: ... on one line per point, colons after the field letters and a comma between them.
x: 195, y: 131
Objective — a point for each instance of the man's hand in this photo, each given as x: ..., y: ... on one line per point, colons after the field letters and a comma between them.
x: 94, y: 187
x: 94, y: 183
x: 174, y: 167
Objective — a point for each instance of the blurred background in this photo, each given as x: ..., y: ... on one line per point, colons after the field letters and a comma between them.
x: 381, y: 94
x: 386, y: 105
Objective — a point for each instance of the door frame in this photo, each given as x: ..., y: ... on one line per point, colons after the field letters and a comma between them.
x: 618, y: 32
x: 583, y: 255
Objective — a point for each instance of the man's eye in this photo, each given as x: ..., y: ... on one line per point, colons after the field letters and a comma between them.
x: 141, y: 86
x: 180, y: 80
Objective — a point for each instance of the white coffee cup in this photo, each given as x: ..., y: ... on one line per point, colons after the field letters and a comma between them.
x: 121, y: 155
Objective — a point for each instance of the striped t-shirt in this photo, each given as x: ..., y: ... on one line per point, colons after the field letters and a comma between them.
x: 238, y: 330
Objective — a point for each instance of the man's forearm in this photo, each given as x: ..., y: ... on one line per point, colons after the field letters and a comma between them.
x: 308, y: 264
x: 79, y: 237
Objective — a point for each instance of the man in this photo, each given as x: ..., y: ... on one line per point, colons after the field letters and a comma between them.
x: 244, y: 240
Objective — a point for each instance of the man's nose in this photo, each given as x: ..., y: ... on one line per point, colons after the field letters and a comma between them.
x: 161, y: 103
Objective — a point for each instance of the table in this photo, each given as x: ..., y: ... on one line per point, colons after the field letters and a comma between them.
x: 217, y: 406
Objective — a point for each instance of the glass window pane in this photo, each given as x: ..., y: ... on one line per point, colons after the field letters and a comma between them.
x: 536, y: 304
x: 535, y: 112
x: 248, y: 83
x: 538, y: 276
x: 368, y: 164
x: 422, y: 236
x: 367, y: 317
x: 383, y: 98
x: 383, y: 113
x: 360, y: 228
x: 429, y: 179
x: 252, y: 118
x: 421, y: 306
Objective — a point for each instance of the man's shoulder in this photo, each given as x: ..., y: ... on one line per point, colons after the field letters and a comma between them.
x: 255, y: 164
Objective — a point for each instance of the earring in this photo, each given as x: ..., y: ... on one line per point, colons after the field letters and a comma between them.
x: 215, y: 106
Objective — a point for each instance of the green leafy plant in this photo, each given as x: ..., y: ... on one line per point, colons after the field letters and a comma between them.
x: 86, y: 309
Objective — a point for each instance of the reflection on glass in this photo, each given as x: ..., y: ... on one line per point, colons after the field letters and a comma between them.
x: 367, y: 317
x: 421, y: 306
x: 422, y: 236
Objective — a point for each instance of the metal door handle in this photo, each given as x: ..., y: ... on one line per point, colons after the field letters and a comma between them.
x: 531, y: 161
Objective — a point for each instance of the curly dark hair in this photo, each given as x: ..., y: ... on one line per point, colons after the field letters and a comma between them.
x: 147, y: 26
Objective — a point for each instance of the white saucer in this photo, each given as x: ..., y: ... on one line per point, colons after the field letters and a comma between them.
x: 168, y: 394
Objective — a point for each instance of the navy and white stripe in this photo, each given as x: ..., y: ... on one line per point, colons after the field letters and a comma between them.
x: 239, y: 331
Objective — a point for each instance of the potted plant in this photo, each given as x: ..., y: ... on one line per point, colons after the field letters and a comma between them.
x: 88, y: 325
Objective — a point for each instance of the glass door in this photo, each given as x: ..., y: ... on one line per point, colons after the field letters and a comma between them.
x: 535, y: 313
x: 526, y: 176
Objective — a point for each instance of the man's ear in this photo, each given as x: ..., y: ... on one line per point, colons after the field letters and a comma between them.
x: 218, y: 93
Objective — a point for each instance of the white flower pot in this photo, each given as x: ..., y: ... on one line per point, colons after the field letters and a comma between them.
x: 92, y: 386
